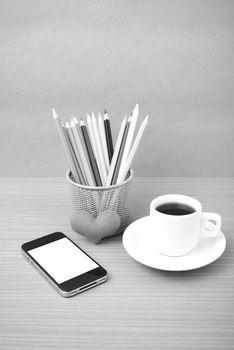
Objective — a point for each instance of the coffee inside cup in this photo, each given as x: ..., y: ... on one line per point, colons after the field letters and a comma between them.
x: 174, y: 208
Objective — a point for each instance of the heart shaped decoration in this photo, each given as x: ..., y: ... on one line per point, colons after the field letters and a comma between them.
x: 105, y: 224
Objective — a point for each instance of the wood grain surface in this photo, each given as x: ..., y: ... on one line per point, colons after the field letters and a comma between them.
x: 138, y: 307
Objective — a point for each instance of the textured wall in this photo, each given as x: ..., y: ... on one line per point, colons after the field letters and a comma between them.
x: 175, y: 58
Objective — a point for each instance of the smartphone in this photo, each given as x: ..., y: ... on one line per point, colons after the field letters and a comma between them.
x: 65, y: 265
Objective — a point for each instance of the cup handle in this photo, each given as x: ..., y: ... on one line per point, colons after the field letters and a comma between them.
x: 208, y: 229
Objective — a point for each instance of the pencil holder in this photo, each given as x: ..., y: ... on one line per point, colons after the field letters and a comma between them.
x: 100, y: 211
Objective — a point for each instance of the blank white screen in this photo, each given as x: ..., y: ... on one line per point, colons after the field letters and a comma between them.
x: 62, y: 260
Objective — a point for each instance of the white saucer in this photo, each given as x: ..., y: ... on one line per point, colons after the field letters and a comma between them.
x: 136, y: 241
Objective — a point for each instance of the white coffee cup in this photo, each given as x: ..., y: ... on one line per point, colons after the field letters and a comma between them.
x: 177, y: 235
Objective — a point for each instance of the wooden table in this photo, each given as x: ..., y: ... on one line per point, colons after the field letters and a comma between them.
x: 138, y: 307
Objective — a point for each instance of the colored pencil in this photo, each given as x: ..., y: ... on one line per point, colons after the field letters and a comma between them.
x: 89, y: 126
x: 121, y: 150
x: 94, y: 143
x: 128, y: 144
x: 75, y: 150
x: 108, y: 134
x: 116, y: 152
x: 65, y: 145
x: 101, y: 160
x: 103, y: 141
x: 133, y: 150
x: 92, y: 159
x: 74, y: 126
x: 70, y: 150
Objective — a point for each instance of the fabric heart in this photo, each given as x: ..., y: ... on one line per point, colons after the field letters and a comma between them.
x: 105, y: 224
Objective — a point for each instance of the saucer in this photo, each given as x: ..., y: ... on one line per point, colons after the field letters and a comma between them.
x: 138, y: 245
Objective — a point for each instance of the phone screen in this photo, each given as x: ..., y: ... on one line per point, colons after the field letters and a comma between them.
x: 62, y: 259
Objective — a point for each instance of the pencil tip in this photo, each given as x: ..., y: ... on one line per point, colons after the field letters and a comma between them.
x: 105, y: 115
x: 136, y: 110
x: 54, y: 113
x: 105, y: 111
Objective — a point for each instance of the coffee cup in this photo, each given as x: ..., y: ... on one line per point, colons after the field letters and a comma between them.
x: 177, y: 223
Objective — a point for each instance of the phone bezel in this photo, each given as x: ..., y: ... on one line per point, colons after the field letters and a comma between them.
x: 72, y: 285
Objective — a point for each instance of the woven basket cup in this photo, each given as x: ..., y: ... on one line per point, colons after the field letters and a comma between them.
x: 96, y: 200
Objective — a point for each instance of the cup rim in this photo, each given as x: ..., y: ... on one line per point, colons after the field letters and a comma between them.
x: 102, y: 188
x: 196, y: 204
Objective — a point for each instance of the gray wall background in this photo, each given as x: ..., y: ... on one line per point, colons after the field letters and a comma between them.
x: 175, y: 58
